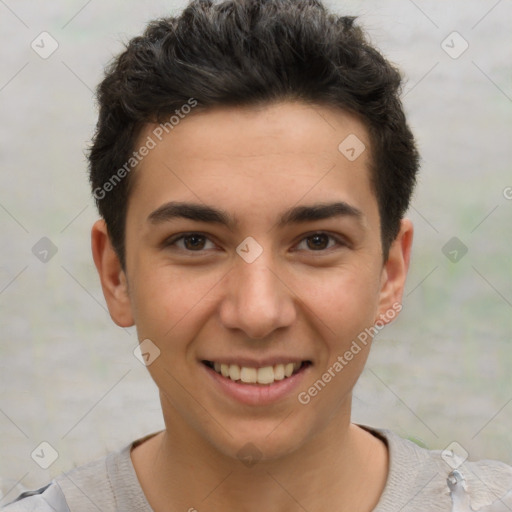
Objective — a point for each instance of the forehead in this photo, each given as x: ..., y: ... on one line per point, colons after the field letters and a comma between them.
x: 267, y: 155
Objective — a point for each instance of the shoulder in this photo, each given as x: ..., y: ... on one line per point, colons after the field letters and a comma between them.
x: 87, y: 487
x: 47, y: 499
x: 108, y: 484
x: 421, y: 479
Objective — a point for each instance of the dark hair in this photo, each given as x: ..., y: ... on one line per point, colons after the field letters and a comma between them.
x: 250, y: 52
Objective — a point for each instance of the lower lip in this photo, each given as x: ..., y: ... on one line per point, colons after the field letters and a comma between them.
x: 258, y: 394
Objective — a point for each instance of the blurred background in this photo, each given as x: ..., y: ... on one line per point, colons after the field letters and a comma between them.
x: 441, y: 373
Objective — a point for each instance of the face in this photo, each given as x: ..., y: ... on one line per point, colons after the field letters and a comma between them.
x: 252, y: 242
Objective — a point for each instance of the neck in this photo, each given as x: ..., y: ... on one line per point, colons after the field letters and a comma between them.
x: 342, y: 468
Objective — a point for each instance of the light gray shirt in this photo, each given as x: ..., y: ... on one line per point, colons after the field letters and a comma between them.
x: 416, y: 482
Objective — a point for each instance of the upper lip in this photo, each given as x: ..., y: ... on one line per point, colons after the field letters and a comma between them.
x: 259, y: 363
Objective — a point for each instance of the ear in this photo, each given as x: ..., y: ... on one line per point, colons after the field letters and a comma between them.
x: 394, y: 273
x: 112, y: 276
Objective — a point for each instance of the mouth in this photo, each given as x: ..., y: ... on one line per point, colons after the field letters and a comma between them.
x: 260, y: 376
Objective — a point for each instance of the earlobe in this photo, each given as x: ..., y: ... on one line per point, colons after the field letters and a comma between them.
x: 394, y: 273
x: 112, y: 276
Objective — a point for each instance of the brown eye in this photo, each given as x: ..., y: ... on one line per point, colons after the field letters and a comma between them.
x: 194, y: 242
x: 318, y: 242
x: 190, y: 242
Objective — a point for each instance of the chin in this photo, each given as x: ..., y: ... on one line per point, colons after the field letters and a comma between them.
x: 258, y: 444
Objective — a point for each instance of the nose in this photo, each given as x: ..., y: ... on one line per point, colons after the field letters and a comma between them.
x: 258, y: 300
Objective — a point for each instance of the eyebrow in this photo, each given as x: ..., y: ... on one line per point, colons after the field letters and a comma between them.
x: 295, y: 215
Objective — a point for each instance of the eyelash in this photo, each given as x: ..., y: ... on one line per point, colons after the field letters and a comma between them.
x: 338, y: 241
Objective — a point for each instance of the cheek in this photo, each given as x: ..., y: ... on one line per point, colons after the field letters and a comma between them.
x: 345, y: 300
x: 168, y: 303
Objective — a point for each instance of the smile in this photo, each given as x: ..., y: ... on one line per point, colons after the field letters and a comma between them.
x: 250, y: 375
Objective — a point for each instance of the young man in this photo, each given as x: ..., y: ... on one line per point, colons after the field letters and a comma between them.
x: 252, y: 166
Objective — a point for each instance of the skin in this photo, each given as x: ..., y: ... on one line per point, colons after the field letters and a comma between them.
x: 303, y: 296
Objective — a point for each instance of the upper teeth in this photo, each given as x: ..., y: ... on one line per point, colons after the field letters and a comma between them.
x: 265, y: 375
